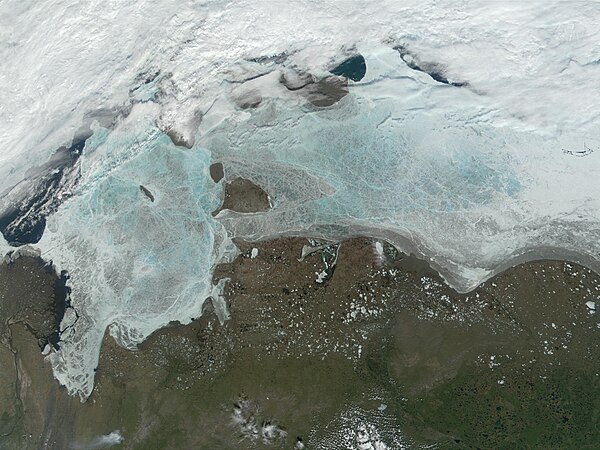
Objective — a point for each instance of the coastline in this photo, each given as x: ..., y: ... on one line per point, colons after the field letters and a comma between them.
x: 376, y: 312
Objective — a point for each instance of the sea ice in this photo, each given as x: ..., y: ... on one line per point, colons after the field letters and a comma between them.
x: 134, y: 264
x: 499, y: 167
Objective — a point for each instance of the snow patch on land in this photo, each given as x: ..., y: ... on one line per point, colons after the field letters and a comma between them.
x: 467, y: 176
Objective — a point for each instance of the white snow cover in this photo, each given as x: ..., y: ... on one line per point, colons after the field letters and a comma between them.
x: 468, y: 176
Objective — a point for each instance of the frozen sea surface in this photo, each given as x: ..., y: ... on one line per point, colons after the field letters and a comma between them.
x: 472, y: 140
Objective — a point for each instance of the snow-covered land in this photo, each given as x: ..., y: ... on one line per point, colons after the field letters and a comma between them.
x: 473, y: 140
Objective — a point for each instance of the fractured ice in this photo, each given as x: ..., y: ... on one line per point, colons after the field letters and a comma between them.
x: 469, y: 178
x: 134, y: 264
